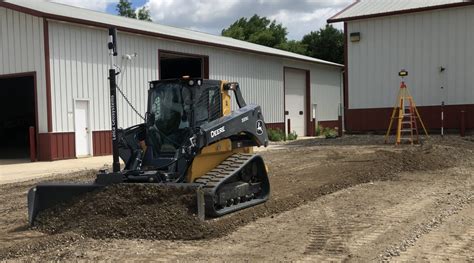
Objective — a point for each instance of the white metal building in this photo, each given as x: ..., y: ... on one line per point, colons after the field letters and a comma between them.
x: 432, y: 40
x: 58, y: 53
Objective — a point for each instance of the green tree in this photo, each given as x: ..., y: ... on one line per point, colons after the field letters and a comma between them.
x: 124, y: 8
x: 144, y: 14
x: 294, y: 46
x: 258, y: 30
x: 326, y: 43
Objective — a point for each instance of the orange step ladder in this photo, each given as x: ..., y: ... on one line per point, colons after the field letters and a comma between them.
x: 406, y: 115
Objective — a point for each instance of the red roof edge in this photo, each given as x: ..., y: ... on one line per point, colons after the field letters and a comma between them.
x: 399, y: 12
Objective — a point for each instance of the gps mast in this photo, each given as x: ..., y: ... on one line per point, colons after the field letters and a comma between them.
x: 113, y: 97
x: 407, y: 127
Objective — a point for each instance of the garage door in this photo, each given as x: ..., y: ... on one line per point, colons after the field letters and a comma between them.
x: 295, y: 89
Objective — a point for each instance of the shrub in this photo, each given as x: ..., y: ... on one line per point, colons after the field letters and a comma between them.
x: 318, y: 129
x: 292, y: 136
x: 275, y: 135
x: 329, y: 133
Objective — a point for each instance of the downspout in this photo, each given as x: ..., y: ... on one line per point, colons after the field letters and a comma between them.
x: 341, y: 101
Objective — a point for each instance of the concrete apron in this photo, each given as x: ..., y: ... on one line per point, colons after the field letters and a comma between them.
x: 19, y: 172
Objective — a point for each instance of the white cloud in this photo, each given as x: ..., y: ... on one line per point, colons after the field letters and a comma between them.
x: 301, y: 23
x: 98, y: 5
x: 300, y: 17
x: 189, y: 12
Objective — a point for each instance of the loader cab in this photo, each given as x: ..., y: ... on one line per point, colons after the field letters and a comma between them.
x: 176, y: 108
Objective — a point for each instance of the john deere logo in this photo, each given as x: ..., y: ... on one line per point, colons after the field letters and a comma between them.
x: 217, y: 132
x: 259, y: 127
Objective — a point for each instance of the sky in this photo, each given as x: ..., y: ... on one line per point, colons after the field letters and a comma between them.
x: 211, y: 16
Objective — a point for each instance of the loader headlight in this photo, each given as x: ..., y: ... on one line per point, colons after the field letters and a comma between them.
x: 191, y: 82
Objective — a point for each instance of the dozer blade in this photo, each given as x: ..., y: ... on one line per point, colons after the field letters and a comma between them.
x: 46, y: 195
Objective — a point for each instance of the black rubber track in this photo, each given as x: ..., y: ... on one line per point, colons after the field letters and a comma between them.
x: 226, y: 172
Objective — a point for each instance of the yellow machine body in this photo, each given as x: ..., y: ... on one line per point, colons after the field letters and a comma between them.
x: 214, y: 154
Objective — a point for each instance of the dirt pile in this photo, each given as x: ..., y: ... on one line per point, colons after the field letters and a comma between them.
x: 426, y: 157
x: 298, y: 175
x: 129, y: 211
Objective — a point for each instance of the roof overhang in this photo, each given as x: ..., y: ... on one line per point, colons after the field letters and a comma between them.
x: 338, y: 18
x: 154, y: 33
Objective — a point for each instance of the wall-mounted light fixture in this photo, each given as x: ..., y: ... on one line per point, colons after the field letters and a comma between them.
x: 355, y: 37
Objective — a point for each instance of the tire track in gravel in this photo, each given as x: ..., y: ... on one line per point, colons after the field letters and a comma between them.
x: 369, y: 233
x: 350, y: 233
x: 337, y: 236
x: 447, y: 236
x: 345, y: 220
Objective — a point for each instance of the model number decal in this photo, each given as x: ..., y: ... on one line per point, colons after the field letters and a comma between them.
x: 217, y: 132
x: 244, y: 119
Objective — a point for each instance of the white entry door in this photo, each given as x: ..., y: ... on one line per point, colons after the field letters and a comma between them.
x: 82, y: 129
x: 295, y: 90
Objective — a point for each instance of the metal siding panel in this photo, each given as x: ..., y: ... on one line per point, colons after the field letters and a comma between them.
x: 451, y: 67
x: 394, y: 65
x: 415, y: 79
x: 370, y: 72
x: 434, y: 82
x: 60, y: 86
x: 100, y: 47
x: 461, y: 51
x: 63, y: 81
x: 93, y: 88
x: 411, y: 52
x: 11, y: 41
x: 55, y: 74
x: 16, y: 42
x: 39, y: 50
x: 469, y: 58
x: 326, y: 92
x: 21, y: 39
x: 386, y: 74
x: 3, y: 40
x: 68, y: 124
x: 377, y: 63
x: 83, y: 72
x: 354, y: 60
x: 420, y: 43
x: 92, y: 74
x: 75, y: 53
x: 22, y: 34
x: 73, y: 77
x: 29, y: 45
x: 421, y: 93
x: 261, y: 77
x: 123, y: 82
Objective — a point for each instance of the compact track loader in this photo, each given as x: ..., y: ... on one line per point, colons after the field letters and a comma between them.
x: 190, y: 138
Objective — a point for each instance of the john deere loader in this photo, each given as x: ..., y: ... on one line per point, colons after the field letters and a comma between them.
x: 190, y: 138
